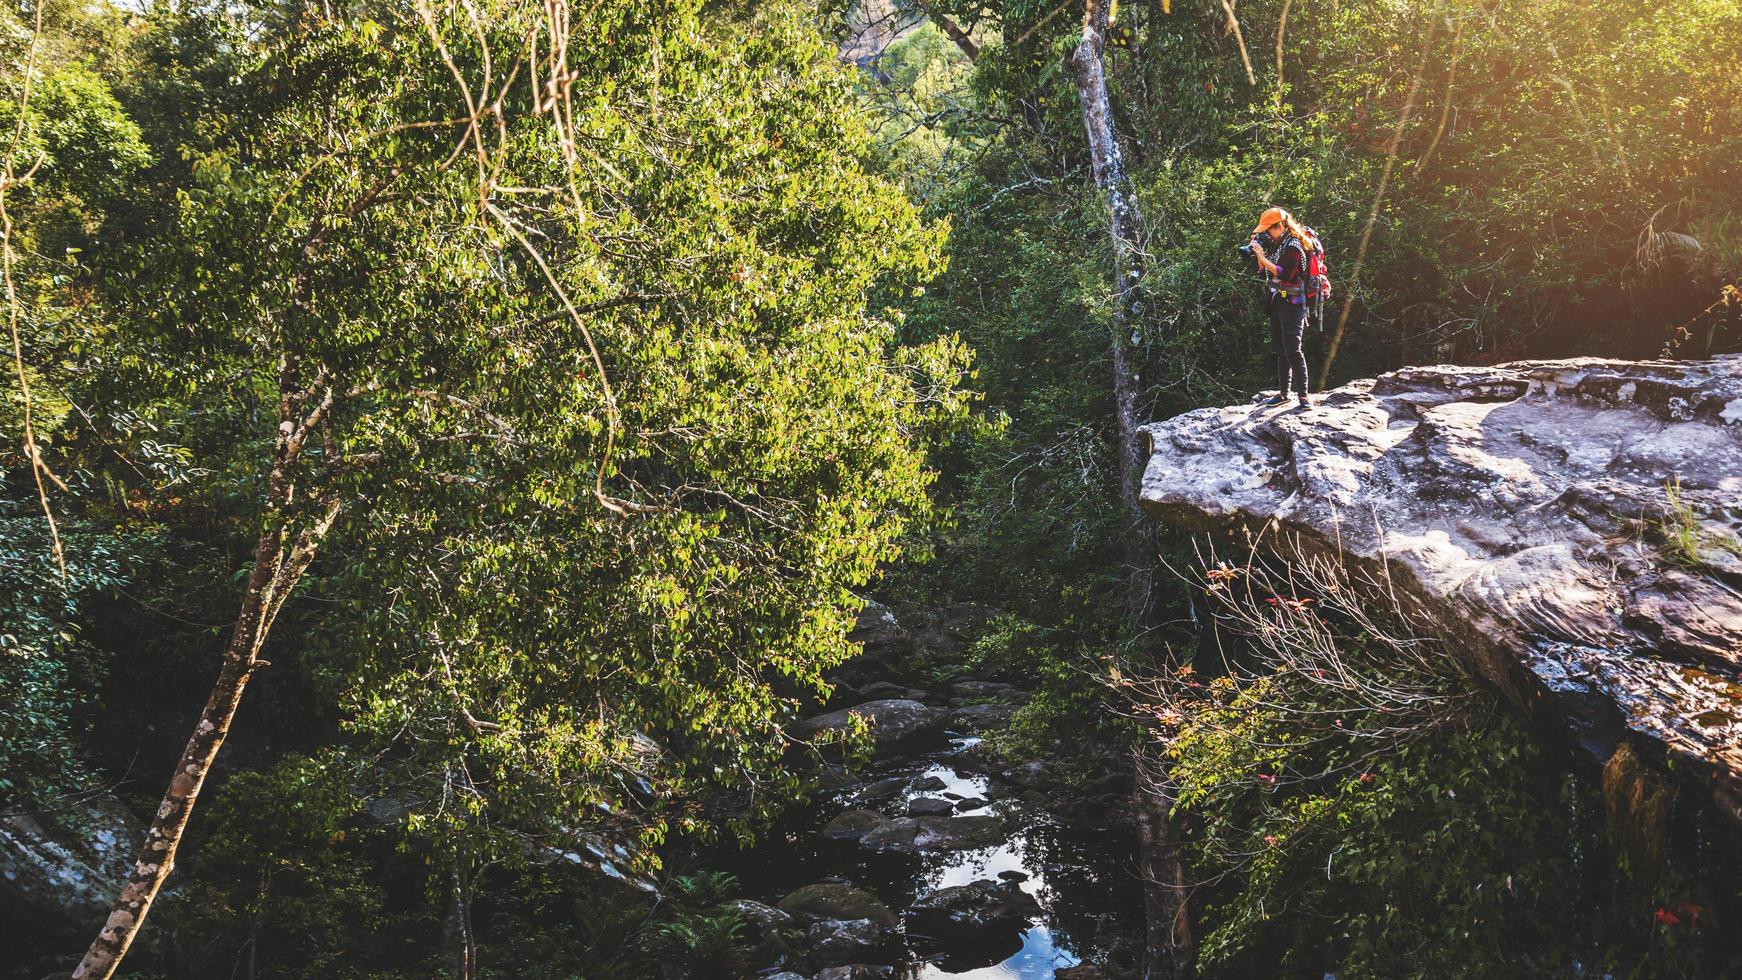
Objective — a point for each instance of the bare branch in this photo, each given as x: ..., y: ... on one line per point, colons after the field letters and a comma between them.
x: 9, y: 179
x: 1239, y: 39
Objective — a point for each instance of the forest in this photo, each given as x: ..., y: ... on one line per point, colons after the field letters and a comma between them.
x: 461, y: 459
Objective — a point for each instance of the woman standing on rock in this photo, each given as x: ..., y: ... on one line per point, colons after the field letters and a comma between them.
x: 1292, y: 245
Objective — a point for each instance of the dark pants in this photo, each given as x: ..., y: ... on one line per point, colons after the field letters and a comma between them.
x: 1287, y: 323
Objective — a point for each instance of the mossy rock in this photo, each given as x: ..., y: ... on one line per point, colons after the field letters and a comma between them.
x: 829, y: 900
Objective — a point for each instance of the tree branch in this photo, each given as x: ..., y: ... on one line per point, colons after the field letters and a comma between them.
x: 951, y: 28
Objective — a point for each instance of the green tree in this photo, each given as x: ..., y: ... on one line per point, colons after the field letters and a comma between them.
x: 557, y: 329
x: 69, y: 150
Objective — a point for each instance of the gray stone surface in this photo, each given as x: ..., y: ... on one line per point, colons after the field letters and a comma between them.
x: 929, y: 806
x: 887, y: 788
x: 967, y: 913
x: 1032, y: 774
x: 884, y: 643
x: 762, y: 940
x: 1520, y: 511
x: 62, y: 870
x: 833, y: 777
x: 831, y: 900
x: 838, y: 942
x: 765, y: 917
x: 877, y: 624
x: 897, y: 724
x: 914, y: 835
x: 853, y: 824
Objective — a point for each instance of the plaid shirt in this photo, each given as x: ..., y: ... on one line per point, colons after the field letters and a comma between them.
x: 1291, y: 271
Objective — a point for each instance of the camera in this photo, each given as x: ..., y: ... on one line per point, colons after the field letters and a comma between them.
x: 1247, y: 249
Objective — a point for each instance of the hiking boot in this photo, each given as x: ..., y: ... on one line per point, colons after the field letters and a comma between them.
x: 1305, y: 403
x: 1276, y: 399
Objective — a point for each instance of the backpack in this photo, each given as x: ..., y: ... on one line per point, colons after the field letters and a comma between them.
x: 1315, y: 277
x: 1318, y: 270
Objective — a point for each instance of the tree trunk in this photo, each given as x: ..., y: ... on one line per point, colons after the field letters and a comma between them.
x: 462, y: 945
x: 1126, y: 230
x: 157, y: 854
x: 279, y: 561
x: 1169, y: 947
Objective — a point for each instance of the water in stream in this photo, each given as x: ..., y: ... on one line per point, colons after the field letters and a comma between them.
x: 1080, y: 873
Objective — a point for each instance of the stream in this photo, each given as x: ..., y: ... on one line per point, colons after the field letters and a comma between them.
x: 995, y: 883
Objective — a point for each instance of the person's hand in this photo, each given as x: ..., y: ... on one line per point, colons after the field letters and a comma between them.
x: 1258, y: 253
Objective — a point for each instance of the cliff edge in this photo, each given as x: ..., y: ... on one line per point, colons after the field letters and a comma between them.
x: 1573, y: 528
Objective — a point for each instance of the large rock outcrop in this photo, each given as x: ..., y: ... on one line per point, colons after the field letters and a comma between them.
x: 1573, y: 527
x: 61, y: 870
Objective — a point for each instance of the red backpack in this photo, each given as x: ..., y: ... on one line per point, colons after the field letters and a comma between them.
x: 1315, y: 277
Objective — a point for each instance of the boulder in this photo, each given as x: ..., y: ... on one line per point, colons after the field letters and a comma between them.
x: 883, y: 789
x: 831, y: 900
x: 836, y: 942
x: 613, y: 859
x: 60, y: 871
x: 979, y: 757
x: 1034, y: 773
x: 896, y: 725
x: 832, y: 778
x: 884, y: 644
x: 972, y: 913
x: 917, y: 835
x: 929, y: 806
x: 937, y: 645
x: 1521, y: 513
x: 764, y: 917
x: 877, y: 625
x: 894, y: 837
x: 853, y: 824
x: 762, y: 930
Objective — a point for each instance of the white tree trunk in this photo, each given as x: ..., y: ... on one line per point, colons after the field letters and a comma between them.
x: 1169, y: 947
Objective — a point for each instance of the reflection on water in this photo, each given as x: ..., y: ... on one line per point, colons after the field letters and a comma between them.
x: 1039, y: 958
x: 1080, y: 875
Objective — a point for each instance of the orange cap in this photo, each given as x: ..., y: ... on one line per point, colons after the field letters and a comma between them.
x: 1270, y: 217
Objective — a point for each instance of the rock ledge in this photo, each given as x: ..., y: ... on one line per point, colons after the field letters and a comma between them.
x: 1526, y: 511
